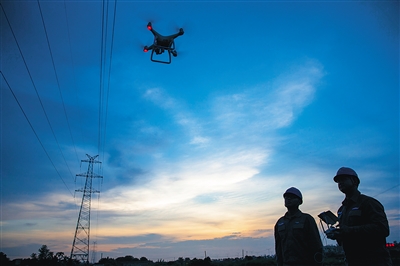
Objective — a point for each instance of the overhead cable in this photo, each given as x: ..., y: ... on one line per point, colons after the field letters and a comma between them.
x: 102, y: 56
x: 58, y: 82
x: 34, y: 86
x: 109, y: 74
x: 34, y: 131
x: 73, y: 69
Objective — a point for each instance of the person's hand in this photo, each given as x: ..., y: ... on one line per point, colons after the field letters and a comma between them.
x: 332, y: 233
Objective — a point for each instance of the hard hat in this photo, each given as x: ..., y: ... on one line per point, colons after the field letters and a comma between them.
x: 294, y: 191
x: 346, y: 171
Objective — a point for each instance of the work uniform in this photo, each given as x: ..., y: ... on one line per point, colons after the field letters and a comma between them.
x: 363, y: 231
x: 297, y: 240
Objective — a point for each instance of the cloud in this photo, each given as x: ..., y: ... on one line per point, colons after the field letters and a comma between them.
x: 48, y: 205
x: 185, y: 179
x: 199, y: 140
x: 159, y: 97
x: 270, y: 106
x: 180, y: 114
x: 206, y: 190
x: 30, y: 224
x: 183, y: 185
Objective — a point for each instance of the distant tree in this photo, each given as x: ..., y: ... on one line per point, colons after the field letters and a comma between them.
x: 4, y: 260
x: 60, y: 256
x: 194, y: 262
x: 32, y: 261
x: 121, y: 259
x: 61, y: 259
x: 181, y: 261
x: 107, y: 261
x: 45, y: 257
x: 143, y: 259
x: 333, y: 256
x: 200, y: 262
x: 45, y: 254
x: 126, y: 259
x: 129, y: 258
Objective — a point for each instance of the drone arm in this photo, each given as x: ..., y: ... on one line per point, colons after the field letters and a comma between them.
x: 155, y: 33
x: 148, y: 48
x: 173, y: 36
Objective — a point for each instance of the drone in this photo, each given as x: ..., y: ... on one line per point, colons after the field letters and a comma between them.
x: 162, y: 44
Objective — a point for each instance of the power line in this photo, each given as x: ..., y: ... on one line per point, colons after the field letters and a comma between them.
x: 34, y: 86
x: 103, y: 97
x: 386, y: 190
x: 73, y: 68
x: 102, y: 53
x: 103, y: 70
x: 109, y: 74
x: 58, y: 82
x: 34, y: 131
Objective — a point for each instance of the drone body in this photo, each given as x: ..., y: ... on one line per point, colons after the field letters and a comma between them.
x: 162, y: 44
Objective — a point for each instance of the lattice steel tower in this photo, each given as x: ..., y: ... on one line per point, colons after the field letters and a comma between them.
x: 80, y: 246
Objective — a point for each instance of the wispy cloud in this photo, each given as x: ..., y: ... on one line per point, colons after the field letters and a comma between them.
x: 270, y: 106
x: 179, y: 113
x: 184, y: 186
x: 206, y: 190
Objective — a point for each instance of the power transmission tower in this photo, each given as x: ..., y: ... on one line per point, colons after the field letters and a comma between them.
x: 80, y: 246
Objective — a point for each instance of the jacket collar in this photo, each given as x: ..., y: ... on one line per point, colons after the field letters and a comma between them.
x: 296, y: 214
x: 353, y: 198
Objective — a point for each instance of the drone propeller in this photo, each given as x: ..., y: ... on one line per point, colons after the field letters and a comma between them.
x: 186, y: 26
x: 141, y: 45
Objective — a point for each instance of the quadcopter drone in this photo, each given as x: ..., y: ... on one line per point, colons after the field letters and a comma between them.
x: 162, y: 44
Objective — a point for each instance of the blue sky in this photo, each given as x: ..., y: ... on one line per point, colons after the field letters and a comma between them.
x: 196, y: 154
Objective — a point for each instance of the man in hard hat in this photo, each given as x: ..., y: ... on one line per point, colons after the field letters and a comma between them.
x: 363, y: 226
x: 297, y: 240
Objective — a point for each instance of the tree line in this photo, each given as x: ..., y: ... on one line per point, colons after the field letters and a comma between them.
x: 333, y: 256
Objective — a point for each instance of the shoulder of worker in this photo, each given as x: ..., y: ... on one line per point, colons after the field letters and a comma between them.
x: 280, y: 220
x: 308, y: 216
x: 364, y: 199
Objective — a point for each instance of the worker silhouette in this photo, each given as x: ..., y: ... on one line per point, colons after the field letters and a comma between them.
x: 363, y: 226
x: 297, y: 240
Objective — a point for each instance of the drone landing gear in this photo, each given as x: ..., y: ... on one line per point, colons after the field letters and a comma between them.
x: 157, y: 52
